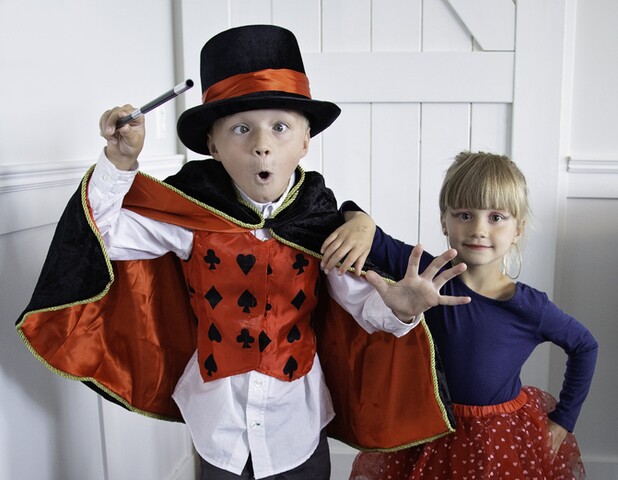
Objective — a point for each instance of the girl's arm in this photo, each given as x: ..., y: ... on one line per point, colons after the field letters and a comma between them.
x: 349, y: 244
x: 356, y: 239
x: 582, y: 349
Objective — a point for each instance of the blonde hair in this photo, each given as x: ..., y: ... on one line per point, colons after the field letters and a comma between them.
x: 485, y: 181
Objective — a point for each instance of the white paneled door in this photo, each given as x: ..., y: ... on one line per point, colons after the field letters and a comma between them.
x: 418, y: 81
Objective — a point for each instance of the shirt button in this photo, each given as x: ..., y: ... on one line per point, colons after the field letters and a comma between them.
x: 254, y: 424
x: 258, y: 383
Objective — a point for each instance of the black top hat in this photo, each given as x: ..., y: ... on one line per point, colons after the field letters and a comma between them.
x: 250, y: 68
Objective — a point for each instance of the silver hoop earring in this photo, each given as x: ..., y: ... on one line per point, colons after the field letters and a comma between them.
x: 510, y: 259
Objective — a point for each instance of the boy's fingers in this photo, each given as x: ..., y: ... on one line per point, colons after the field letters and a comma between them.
x: 377, y: 282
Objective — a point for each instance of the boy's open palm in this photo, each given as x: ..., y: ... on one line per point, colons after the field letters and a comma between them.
x: 416, y: 293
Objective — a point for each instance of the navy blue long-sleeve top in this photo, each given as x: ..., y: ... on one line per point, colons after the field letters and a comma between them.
x: 484, y: 344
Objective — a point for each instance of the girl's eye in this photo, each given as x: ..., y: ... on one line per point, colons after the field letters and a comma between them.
x: 240, y: 129
x: 497, y: 217
x: 280, y: 127
x: 465, y: 216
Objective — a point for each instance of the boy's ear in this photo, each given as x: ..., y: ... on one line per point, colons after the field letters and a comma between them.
x: 306, y: 141
x: 212, y: 147
x: 443, y: 223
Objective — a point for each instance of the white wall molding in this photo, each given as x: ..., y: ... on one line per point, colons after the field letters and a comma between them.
x: 592, y: 177
x: 14, y: 178
x: 34, y: 195
x: 592, y: 165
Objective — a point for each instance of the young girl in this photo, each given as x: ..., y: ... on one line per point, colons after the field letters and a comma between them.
x: 503, y: 430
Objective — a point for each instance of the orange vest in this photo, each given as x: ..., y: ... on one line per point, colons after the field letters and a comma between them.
x: 253, y: 300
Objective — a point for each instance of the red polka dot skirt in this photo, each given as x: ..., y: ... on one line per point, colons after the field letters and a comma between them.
x: 505, y: 441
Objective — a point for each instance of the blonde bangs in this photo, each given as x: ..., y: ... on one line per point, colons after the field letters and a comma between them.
x: 485, y: 181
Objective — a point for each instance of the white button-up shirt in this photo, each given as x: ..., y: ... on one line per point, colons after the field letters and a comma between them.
x: 277, y: 422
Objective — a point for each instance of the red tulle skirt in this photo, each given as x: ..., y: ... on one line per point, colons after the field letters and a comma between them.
x: 506, y: 441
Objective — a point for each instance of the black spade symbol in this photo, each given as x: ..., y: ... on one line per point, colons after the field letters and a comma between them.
x: 210, y: 365
x: 294, y: 334
x: 290, y: 367
x: 247, y: 301
x: 214, y: 334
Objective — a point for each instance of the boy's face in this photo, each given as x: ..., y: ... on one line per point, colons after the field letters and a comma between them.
x: 260, y: 149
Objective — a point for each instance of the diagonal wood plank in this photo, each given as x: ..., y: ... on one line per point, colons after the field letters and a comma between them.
x: 491, y: 22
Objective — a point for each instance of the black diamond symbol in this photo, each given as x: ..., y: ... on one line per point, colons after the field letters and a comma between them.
x: 213, y: 297
x: 299, y: 299
x: 264, y: 340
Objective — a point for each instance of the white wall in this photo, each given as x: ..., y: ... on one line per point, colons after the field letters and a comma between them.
x: 62, y: 62
x: 587, y: 262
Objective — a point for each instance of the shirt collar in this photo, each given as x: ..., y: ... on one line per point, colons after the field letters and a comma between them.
x: 267, y: 209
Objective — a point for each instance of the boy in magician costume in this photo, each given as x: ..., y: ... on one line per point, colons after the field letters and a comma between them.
x: 199, y: 299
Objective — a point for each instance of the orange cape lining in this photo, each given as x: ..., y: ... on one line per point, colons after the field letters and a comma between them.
x: 384, y: 389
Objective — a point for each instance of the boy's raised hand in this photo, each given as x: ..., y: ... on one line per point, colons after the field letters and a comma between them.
x: 416, y: 293
x: 351, y: 240
x: 123, y: 144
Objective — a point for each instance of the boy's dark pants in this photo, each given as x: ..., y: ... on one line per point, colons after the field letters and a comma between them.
x: 317, y: 467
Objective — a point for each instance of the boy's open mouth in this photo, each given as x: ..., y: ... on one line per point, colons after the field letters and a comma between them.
x: 264, y: 175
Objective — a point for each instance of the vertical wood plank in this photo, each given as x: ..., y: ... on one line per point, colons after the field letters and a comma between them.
x: 346, y: 25
x: 199, y: 21
x: 396, y: 25
x: 442, y: 28
x: 491, y: 127
x: 346, y: 155
x: 248, y: 12
x: 445, y: 133
x: 313, y: 159
x: 395, y: 137
x: 303, y: 17
x: 537, y: 109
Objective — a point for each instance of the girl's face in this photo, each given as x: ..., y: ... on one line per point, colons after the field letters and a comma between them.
x: 481, y: 237
x: 260, y: 149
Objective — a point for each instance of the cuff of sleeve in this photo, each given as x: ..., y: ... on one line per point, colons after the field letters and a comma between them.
x: 376, y: 311
x: 350, y: 206
x: 107, y: 178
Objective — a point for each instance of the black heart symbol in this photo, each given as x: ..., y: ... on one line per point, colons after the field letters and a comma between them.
x: 245, y: 262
